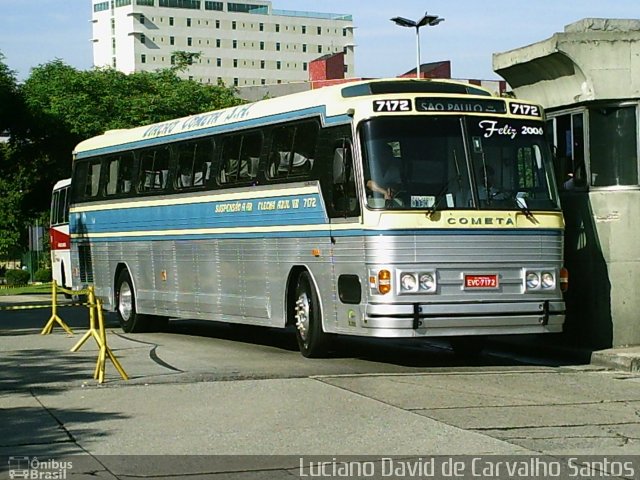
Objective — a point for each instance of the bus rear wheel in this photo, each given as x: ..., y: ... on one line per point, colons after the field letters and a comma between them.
x: 312, y: 341
x: 130, y: 320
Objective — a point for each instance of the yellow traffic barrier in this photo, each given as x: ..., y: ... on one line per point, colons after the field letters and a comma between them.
x: 99, y: 334
x: 93, y: 331
x: 54, y: 313
x: 105, y: 351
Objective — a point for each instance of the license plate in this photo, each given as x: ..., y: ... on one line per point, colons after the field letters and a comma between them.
x: 481, y: 281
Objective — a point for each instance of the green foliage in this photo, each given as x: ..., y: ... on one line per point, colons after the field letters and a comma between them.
x: 42, y: 275
x: 9, y: 98
x: 59, y: 106
x: 16, y: 277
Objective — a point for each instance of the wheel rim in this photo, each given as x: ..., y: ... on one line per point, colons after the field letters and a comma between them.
x: 125, y: 305
x: 302, y: 316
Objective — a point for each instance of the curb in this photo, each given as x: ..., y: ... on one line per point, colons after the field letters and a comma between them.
x: 627, y: 360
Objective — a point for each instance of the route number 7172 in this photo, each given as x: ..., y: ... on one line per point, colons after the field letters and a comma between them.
x: 392, y: 105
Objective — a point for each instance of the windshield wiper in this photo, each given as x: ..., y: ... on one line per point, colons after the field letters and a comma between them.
x: 522, y: 206
x: 440, y: 195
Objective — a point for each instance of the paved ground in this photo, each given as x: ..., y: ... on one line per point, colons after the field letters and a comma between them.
x: 51, y: 408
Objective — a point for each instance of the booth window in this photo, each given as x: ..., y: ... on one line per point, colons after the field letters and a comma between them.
x: 613, y: 145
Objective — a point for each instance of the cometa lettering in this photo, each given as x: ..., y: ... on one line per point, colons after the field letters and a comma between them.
x: 476, y: 221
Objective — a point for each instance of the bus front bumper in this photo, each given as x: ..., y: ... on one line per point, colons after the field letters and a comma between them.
x: 420, y: 319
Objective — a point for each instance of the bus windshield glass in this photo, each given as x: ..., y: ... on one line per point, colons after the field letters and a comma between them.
x: 451, y: 162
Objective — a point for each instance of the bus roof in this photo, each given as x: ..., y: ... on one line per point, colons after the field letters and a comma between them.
x: 62, y: 183
x: 333, y: 103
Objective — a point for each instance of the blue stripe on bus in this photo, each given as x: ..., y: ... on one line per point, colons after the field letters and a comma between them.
x: 260, y: 212
x: 203, y: 132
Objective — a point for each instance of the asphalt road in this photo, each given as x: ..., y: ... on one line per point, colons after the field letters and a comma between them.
x: 204, y: 388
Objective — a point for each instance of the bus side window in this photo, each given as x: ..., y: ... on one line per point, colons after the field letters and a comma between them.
x: 119, y: 173
x: 154, y: 169
x: 193, y: 164
x: 92, y: 182
x: 229, y: 159
x: 240, y: 158
x: 292, y: 150
x: 345, y: 199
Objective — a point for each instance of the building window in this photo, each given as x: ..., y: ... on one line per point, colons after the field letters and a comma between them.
x: 235, y: 44
x: 344, y: 32
x: 277, y: 27
x: 278, y: 65
x: 143, y: 39
x: 319, y: 48
x: 235, y: 63
x: 101, y: 7
x: 304, y: 29
x: 218, y: 62
x: 188, y: 22
x: 143, y: 58
x: 277, y: 46
x: 261, y: 27
x: 171, y: 21
x: 246, y: 8
x: 218, y: 42
x: 304, y: 66
x: 263, y: 81
x: 189, y: 41
x: 217, y: 23
x: 172, y: 40
x: 213, y: 6
x: 319, y: 30
x: 191, y: 4
x: 233, y: 25
x: 613, y: 147
x: 304, y: 48
x: 235, y: 82
x: 141, y: 19
x: 262, y: 62
x: 261, y: 45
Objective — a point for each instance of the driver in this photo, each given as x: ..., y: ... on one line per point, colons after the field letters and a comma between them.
x: 385, y: 174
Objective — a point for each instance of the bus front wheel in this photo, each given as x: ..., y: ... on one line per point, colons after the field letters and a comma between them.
x: 130, y: 320
x: 312, y: 341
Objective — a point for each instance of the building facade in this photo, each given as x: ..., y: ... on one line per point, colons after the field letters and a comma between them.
x: 241, y: 44
x: 588, y: 79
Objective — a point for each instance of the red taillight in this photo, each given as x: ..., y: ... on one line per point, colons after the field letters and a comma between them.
x: 564, y: 279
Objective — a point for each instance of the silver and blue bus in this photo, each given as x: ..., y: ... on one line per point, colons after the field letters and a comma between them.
x: 388, y: 208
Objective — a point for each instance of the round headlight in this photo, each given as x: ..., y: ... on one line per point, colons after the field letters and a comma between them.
x: 408, y: 282
x: 533, y: 280
x: 427, y: 282
x: 548, y: 280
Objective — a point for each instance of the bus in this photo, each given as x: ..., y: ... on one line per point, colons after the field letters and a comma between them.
x: 59, y: 234
x: 267, y: 214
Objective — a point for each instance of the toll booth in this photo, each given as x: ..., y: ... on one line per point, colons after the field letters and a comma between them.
x: 588, y: 80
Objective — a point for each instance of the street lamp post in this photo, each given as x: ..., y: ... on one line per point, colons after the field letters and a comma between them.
x: 429, y: 20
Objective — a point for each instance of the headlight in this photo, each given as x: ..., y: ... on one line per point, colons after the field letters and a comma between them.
x: 427, y: 282
x: 408, y: 282
x: 532, y: 280
x: 548, y: 280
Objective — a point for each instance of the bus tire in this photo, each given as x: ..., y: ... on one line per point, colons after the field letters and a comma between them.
x: 312, y: 341
x: 130, y: 320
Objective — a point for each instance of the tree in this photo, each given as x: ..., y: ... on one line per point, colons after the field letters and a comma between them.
x: 9, y: 97
x: 58, y: 106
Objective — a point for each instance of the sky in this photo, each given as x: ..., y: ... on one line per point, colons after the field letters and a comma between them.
x: 33, y: 32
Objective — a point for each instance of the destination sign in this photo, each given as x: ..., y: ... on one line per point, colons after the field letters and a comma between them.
x: 462, y: 105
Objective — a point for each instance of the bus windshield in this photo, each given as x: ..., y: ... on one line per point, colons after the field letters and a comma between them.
x: 455, y: 162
